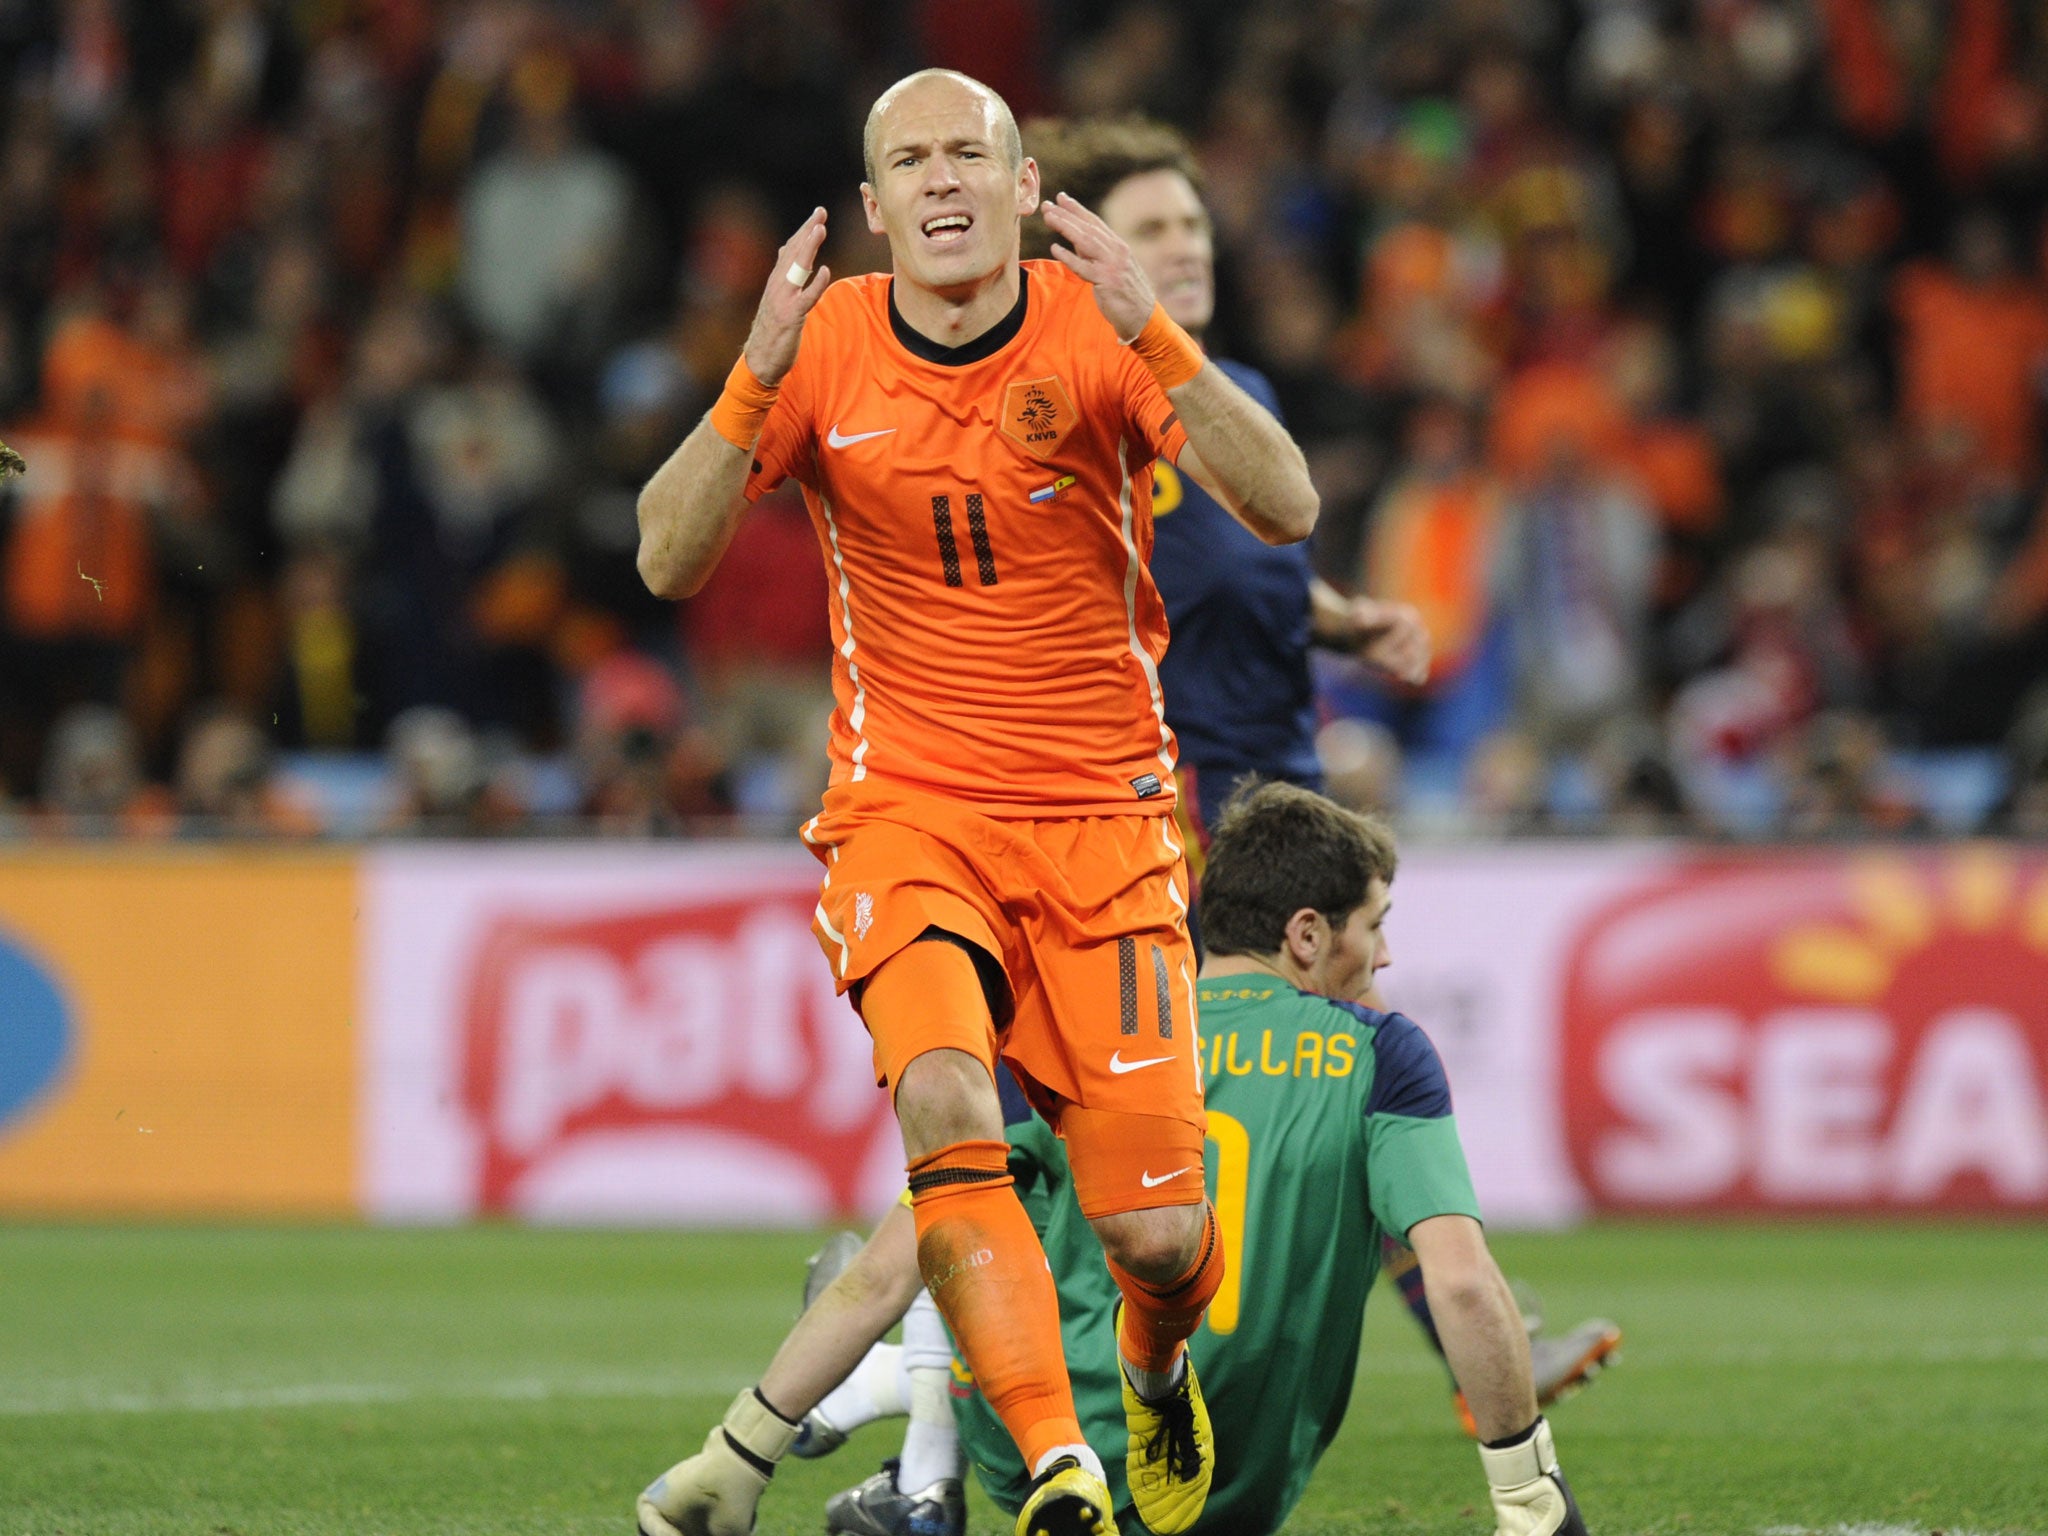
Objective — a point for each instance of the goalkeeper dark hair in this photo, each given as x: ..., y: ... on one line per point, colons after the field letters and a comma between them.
x: 1090, y: 159
x: 1277, y: 848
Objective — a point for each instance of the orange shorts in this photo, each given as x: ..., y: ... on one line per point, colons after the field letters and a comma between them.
x: 1087, y: 917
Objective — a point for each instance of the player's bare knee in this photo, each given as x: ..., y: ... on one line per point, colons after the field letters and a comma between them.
x: 1158, y: 1245
x: 945, y: 1097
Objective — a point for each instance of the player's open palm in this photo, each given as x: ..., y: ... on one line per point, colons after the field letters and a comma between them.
x: 1098, y: 253
x: 793, y: 290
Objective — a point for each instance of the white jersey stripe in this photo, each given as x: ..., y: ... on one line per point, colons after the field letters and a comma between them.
x: 824, y: 922
x: 1133, y: 564
x: 857, y: 720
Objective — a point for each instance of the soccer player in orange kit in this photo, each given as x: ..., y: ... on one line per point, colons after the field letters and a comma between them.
x: 975, y: 436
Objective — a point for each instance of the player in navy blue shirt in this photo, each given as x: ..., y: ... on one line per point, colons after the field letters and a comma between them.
x: 1242, y: 613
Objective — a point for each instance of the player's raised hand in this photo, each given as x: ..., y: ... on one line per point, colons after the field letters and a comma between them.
x: 792, y: 292
x: 1393, y: 638
x: 1098, y: 253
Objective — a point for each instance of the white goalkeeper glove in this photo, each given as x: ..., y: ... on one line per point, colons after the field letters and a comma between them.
x: 1529, y: 1493
x: 715, y: 1491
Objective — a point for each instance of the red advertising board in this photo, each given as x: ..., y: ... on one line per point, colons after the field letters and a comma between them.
x: 630, y: 1036
x: 1835, y: 1031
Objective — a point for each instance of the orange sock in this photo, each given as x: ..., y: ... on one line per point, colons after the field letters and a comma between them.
x: 1157, y: 1318
x: 984, y: 1267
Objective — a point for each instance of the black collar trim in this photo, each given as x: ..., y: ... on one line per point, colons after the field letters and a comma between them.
x: 987, y: 344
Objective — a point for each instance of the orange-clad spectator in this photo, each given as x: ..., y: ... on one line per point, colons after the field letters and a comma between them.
x: 144, y: 376
x: 106, y: 460
x: 1550, y: 407
x: 1675, y: 461
x: 1427, y: 290
x: 1430, y: 542
x: 1973, y: 344
x: 77, y: 563
x: 1430, y: 539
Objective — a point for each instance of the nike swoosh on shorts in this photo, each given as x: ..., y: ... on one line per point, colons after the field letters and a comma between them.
x: 1149, y: 1182
x: 1118, y: 1065
x: 834, y: 440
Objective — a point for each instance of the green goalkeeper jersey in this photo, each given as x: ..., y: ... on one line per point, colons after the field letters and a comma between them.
x: 1329, y: 1124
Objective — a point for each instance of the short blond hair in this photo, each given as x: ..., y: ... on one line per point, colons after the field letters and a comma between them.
x: 1009, y: 140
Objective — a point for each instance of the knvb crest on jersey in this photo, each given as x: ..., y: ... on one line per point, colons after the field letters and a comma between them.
x: 1037, y: 415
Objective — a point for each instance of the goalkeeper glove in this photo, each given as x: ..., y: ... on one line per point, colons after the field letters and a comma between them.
x: 715, y: 1491
x: 1529, y: 1493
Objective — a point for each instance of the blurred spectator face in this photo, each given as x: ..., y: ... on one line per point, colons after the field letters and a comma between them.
x: 1294, y: 313
x: 437, y: 761
x: 543, y: 91
x: 629, y: 719
x: 944, y: 191
x: 92, y: 768
x: 1159, y: 216
x: 223, y: 771
x: 1833, y: 770
x: 1642, y: 368
x: 731, y: 245
x: 1980, y: 251
x: 1505, y: 782
x: 399, y: 348
x: 642, y: 394
x: 1439, y: 438
x: 1361, y: 764
x: 1654, y: 138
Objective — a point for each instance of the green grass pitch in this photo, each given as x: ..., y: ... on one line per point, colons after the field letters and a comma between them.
x: 1849, y: 1380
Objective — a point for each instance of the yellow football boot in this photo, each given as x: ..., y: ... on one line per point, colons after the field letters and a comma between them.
x: 1067, y: 1500
x: 1172, y: 1454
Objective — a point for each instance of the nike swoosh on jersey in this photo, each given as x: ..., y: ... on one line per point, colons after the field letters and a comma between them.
x: 834, y: 440
x: 1118, y: 1065
x: 1149, y: 1182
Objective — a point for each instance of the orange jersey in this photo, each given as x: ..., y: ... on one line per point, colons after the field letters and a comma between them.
x: 986, y: 518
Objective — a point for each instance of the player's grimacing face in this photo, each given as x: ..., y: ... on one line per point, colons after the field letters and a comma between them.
x: 1158, y: 215
x: 945, y: 193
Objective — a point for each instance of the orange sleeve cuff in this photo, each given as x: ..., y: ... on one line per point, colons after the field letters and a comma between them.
x: 1166, y: 349
x: 742, y: 409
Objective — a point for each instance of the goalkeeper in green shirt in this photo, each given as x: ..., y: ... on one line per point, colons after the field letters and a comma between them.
x: 1329, y: 1124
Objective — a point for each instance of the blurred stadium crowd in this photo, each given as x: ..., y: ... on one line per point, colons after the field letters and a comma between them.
x: 1684, y: 363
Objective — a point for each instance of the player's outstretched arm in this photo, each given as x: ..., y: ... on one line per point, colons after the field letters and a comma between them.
x: 867, y: 1299
x: 1387, y: 635
x: 1236, y: 450
x: 1488, y: 1350
x: 692, y: 504
x: 714, y: 1493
